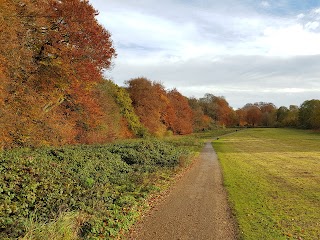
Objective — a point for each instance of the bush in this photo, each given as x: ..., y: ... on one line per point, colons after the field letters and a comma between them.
x: 146, y: 152
x: 106, y: 183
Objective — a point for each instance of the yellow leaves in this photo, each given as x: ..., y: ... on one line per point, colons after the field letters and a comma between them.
x: 49, y: 106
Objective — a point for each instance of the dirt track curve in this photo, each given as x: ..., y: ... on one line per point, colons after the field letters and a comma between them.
x: 196, y: 208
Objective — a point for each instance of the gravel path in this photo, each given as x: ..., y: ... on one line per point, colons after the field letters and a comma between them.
x: 196, y: 208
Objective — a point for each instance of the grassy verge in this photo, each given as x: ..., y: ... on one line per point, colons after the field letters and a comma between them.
x: 273, y: 180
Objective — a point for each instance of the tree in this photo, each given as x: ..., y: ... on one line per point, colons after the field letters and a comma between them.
x: 161, y: 112
x: 288, y: 117
x: 209, y: 106
x: 253, y: 114
x: 241, y: 117
x: 309, y: 114
x: 293, y: 116
x: 282, y: 115
x: 131, y: 122
x: 148, y: 105
x: 182, y: 122
x: 54, y: 54
x: 269, y: 112
x: 200, y: 121
x: 218, y: 109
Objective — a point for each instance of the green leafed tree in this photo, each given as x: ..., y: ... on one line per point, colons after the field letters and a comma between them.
x: 309, y: 114
x: 124, y: 103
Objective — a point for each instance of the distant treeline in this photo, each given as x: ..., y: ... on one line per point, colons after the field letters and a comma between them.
x: 306, y: 116
x: 52, y: 91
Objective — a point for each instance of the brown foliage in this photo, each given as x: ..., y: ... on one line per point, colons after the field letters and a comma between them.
x: 200, y: 121
x: 147, y: 102
x: 159, y: 110
x: 182, y: 116
x: 54, y: 53
x: 218, y: 109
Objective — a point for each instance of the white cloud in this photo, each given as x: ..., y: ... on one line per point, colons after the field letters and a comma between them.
x: 156, y: 38
x: 290, y: 41
x: 316, y: 10
x: 254, y: 76
x: 204, y: 47
x: 312, y: 25
x: 265, y: 4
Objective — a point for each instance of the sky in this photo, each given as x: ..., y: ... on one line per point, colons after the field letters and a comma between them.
x: 245, y: 50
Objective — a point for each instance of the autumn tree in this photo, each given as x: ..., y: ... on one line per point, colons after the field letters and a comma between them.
x: 218, y: 109
x: 130, y: 122
x: 241, y: 117
x: 148, y: 105
x: 182, y: 122
x: 55, y: 52
x: 160, y: 111
x: 269, y: 112
x: 13, y: 55
x: 200, y: 121
x: 253, y: 114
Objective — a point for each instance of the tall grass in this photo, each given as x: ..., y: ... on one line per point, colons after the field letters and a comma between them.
x: 67, y: 226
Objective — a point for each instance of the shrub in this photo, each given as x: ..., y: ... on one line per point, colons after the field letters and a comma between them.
x: 107, y: 183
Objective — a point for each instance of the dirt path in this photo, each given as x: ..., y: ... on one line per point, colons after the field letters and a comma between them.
x: 195, y: 209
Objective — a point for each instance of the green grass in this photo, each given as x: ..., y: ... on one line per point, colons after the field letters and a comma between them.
x: 66, y: 226
x: 214, y: 133
x: 273, y: 180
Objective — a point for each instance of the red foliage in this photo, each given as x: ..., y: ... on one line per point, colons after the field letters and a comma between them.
x: 147, y: 102
x: 181, y: 122
x: 159, y: 110
x: 55, y: 52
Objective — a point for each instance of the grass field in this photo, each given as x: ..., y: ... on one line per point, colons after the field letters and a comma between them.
x: 273, y: 180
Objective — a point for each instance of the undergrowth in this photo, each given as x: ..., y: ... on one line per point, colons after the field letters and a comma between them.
x: 107, y: 184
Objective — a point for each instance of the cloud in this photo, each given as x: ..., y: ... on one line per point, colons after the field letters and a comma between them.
x: 255, y: 76
x: 204, y: 32
x: 259, y: 50
x: 312, y: 25
x: 265, y: 4
x: 300, y: 16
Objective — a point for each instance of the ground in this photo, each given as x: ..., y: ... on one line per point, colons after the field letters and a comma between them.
x: 196, y: 208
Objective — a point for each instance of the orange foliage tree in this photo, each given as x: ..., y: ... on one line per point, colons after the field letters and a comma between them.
x: 55, y: 52
x: 160, y: 111
x: 181, y: 122
x: 200, y: 121
x: 218, y: 109
x: 241, y: 117
x: 258, y: 114
x: 147, y: 102
x: 253, y: 114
